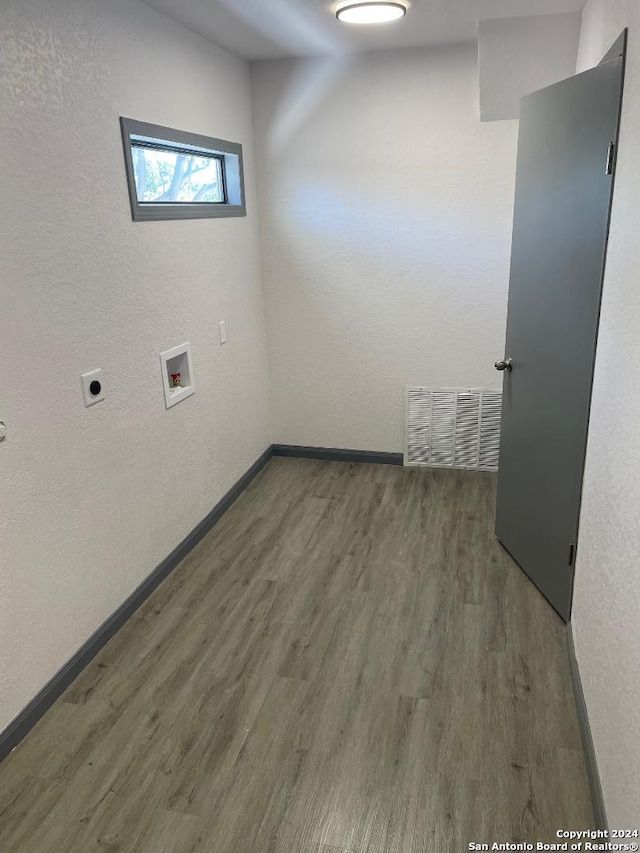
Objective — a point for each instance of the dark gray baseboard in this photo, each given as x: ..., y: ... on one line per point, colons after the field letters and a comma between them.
x: 587, y: 740
x: 41, y: 703
x: 338, y: 454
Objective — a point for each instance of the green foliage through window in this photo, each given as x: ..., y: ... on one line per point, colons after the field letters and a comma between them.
x: 166, y: 175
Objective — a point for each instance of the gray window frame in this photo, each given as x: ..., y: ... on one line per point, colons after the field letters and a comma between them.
x: 232, y: 168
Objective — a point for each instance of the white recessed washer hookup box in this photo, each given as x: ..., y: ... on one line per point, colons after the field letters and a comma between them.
x: 177, y: 374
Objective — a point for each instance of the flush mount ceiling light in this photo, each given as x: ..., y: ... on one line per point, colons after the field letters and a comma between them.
x: 371, y: 13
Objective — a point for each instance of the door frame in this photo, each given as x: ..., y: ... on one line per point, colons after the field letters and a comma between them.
x: 618, y: 50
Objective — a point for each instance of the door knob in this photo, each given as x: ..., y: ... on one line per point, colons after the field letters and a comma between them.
x: 507, y: 364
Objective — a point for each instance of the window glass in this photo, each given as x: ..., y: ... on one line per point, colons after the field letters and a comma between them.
x: 167, y: 175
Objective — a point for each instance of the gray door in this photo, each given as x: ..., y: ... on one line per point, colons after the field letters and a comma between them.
x: 564, y: 186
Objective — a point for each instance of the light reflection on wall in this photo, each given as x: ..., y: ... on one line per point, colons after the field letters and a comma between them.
x: 283, y: 24
x: 312, y: 80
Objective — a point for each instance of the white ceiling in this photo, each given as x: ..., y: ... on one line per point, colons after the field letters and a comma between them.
x: 268, y: 29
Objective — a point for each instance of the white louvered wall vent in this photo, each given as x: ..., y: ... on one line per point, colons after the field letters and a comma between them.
x: 452, y: 428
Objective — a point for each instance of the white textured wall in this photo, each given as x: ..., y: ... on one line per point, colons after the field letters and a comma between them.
x: 602, y: 23
x: 606, y: 609
x: 386, y: 212
x: 92, y: 499
x: 517, y: 56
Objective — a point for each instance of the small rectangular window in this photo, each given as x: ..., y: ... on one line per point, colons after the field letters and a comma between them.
x: 172, y: 175
x: 178, y: 175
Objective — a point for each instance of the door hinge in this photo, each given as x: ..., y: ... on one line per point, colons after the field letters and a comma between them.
x: 611, y: 157
x: 572, y: 553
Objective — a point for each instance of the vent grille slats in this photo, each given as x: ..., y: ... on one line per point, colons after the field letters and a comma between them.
x: 452, y: 428
x: 443, y: 423
x: 466, y: 434
x: 490, y: 430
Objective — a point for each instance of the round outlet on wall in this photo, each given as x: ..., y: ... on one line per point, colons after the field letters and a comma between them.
x: 92, y: 388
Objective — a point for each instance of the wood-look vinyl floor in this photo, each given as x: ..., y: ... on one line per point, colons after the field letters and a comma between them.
x: 348, y: 662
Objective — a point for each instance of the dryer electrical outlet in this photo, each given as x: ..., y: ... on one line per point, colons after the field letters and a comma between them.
x: 92, y: 387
